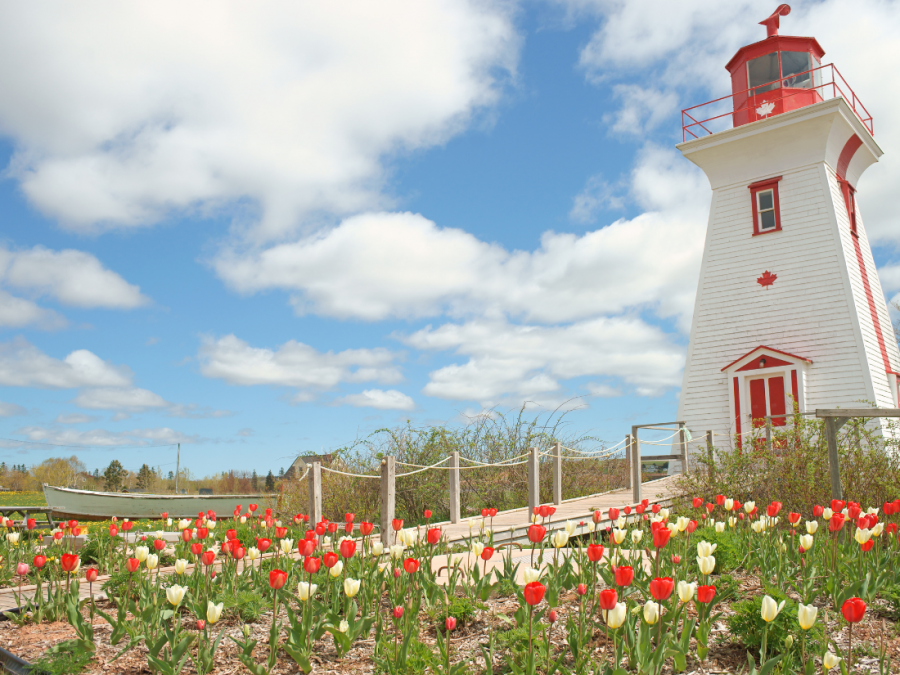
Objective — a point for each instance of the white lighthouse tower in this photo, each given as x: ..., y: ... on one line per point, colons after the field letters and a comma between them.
x: 789, y: 308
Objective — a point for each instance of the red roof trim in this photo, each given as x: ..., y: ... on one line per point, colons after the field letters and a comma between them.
x: 762, y: 183
x: 772, y: 44
x: 777, y: 351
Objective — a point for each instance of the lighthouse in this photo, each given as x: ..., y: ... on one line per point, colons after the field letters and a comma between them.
x: 789, y: 310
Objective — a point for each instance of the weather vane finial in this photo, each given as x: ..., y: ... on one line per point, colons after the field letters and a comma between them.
x: 771, y: 23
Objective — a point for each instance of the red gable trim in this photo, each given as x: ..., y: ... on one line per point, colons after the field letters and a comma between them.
x: 850, y: 148
x: 777, y: 351
x: 766, y: 182
x: 771, y: 362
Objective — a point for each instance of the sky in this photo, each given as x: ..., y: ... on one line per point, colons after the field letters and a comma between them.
x: 262, y: 230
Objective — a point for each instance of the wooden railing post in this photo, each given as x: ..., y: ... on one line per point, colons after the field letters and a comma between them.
x: 709, y: 453
x: 315, y: 493
x: 628, y: 462
x: 557, y: 474
x: 455, y: 506
x: 685, y: 466
x: 388, y: 498
x: 832, y: 424
x: 769, y: 434
x: 534, y: 477
x: 635, y: 466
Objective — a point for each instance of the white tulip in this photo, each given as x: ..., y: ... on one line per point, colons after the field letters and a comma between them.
x: 213, y: 611
x: 878, y: 529
x: 806, y: 615
x: 706, y: 564
x: 397, y: 551
x: 287, y: 545
x: 351, y: 587
x: 590, y: 526
x: 812, y: 526
x: 570, y: 527
x: 616, y: 616
x: 636, y: 536
x: 560, y: 538
x: 252, y: 553
x: 175, y: 594
x: 664, y: 513
x: 830, y: 660
x: 141, y: 553
x: 152, y: 561
x: 749, y: 506
x: 720, y: 527
x: 530, y: 574
x: 620, y: 522
x: 729, y: 504
x: 477, y: 548
x: 335, y: 571
x: 377, y: 548
x: 13, y: 538
x: 686, y: 590
x: 618, y: 535
x: 862, y: 535
x: 704, y: 548
x: 180, y: 566
x: 806, y: 541
x: 651, y: 612
x: 827, y: 513
x: 344, y: 626
x: 770, y: 609
x: 407, y: 537
x: 305, y: 590
x: 732, y: 521
x: 683, y: 523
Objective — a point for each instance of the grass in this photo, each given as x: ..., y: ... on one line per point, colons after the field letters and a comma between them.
x: 22, y: 499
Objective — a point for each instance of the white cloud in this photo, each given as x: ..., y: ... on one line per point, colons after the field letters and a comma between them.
x: 643, y: 109
x: 75, y: 418
x: 147, y: 108
x: 380, y: 399
x: 104, y: 438
x: 889, y: 275
x: 19, y: 313
x: 597, y: 194
x: 601, y: 390
x: 24, y: 365
x: 11, y: 409
x: 513, y: 363
x: 294, y: 364
x: 381, y: 265
x: 72, y: 277
x: 126, y: 399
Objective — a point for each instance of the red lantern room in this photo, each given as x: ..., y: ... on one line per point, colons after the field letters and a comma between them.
x: 775, y: 75
x: 771, y: 77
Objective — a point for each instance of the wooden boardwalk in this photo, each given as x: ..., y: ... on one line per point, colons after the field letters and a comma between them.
x: 508, y: 526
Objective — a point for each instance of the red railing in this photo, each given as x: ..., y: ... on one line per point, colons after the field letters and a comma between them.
x: 747, y: 104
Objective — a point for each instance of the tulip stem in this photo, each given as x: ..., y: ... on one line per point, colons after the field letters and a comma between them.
x: 850, y: 650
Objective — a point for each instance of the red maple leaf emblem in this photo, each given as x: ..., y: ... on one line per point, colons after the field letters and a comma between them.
x: 767, y: 279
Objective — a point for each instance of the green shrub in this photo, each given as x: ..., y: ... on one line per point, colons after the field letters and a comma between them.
x: 892, y: 596
x: 249, y: 606
x: 66, y: 660
x: 746, y: 625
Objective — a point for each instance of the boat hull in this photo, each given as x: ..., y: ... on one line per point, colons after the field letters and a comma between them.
x: 87, y: 505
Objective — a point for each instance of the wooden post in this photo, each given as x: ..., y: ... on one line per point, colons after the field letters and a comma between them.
x: 388, y: 497
x: 832, y: 424
x: 557, y: 474
x: 455, y: 506
x: 685, y: 468
x: 315, y: 492
x: 709, y: 453
x: 635, y: 466
x: 628, y: 462
x: 534, y: 478
x: 769, y: 435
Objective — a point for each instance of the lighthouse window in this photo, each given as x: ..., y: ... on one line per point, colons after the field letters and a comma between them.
x: 762, y: 71
x: 766, y: 209
x: 794, y: 70
x: 765, y: 206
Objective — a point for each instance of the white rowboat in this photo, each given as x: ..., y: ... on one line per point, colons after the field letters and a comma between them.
x: 88, y: 505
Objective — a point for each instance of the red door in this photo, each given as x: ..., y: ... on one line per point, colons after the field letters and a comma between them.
x: 758, y: 402
x: 777, y: 400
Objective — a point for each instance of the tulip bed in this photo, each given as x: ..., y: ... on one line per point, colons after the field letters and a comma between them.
x: 714, y: 586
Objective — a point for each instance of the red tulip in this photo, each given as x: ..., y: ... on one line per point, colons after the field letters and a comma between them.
x: 888, y: 508
x: 113, y: 531
x: 536, y: 533
x: 544, y: 511
x: 697, y: 502
x: 280, y: 533
x: 201, y: 624
x: 551, y: 510
x: 348, y: 548
x: 581, y: 589
x: 661, y: 588
x: 836, y: 522
x: 818, y: 511
x: 208, y: 558
x: 159, y: 544
x: 127, y: 525
x: 39, y: 561
x: 534, y: 592
x: 252, y: 507
x: 773, y: 509
x: 312, y: 565
x: 349, y: 517
x: 661, y: 536
x: 705, y: 593
x: 793, y: 518
x: 595, y: 552
x: 329, y: 559
x: 552, y: 616
x: 720, y: 500
x: 202, y: 532
x: 614, y: 514
x: 692, y: 525
x: 891, y: 528
x: 332, y: 527
x: 640, y: 508
x: 411, y: 565
x: 365, y: 529
x: 676, y: 559
x: 485, y: 512
x: 398, y: 612
x: 397, y: 524
x: 91, y: 574
x: 627, y: 510
x: 487, y: 553
x: 608, y: 598
x: 306, y: 547
x: 624, y: 575
x: 232, y: 534
x: 237, y: 552
x: 277, y: 578
x: 837, y: 505
x: 427, y: 514
x: 853, y: 510
x: 655, y: 508
x: 69, y: 562
x: 492, y: 512
x: 132, y: 564
x: 311, y: 535
x: 196, y: 548
x: 263, y: 544
x: 186, y: 534
x: 853, y: 610
x: 30, y: 524
x: 450, y: 623
x: 710, y: 507
x: 433, y: 535
x: 598, y: 516
x: 320, y: 529
x: 867, y: 546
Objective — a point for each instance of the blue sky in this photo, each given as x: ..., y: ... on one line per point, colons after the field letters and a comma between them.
x: 263, y: 231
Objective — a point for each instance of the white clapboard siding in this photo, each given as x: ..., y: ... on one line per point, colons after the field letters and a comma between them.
x: 817, y: 308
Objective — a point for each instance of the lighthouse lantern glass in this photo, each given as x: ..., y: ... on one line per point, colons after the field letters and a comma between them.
x: 763, y: 70
x: 795, y: 70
